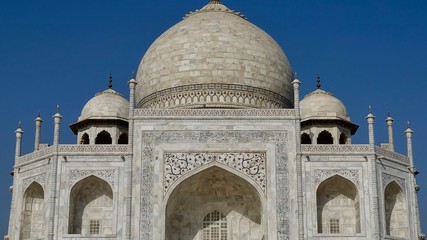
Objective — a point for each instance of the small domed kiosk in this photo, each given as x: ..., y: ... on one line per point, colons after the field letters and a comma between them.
x: 104, y: 119
x: 324, y: 119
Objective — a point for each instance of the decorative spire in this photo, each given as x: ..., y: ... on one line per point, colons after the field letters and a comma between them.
x: 20, y: 124
x: 133, y: 75
x: 215, y: 1
x: 57, y: 108
x: 110, y: 80
x: 295, y: 75
x: 318, y: 81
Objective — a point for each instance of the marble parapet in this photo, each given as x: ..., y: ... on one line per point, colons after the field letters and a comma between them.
x: 72, y: 149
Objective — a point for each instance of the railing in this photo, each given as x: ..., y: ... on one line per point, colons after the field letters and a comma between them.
x: 121, y: 148
x: 73, y: 149
x: 391, y: 155
x: 352, y: 149
x: 331, y: 149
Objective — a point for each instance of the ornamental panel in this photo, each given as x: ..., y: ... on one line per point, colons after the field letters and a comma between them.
x: 388, y: 178
x: 251, y: 164
x: 76, y: 175
x: 321, y: 174
x: 40, y: 179
x: 152, y: 138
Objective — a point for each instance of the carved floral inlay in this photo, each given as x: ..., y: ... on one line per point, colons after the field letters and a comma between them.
x: 250, y: 164
x: 40, y: 179
x: 77, y: 175
x: 352, y: 175
x: 388, y: 178
x: 152, y: 138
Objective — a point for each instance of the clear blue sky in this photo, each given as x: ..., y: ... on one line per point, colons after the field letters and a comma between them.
x: 61, y: 52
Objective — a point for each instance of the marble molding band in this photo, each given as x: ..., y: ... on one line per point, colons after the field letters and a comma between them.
x: 214, y: 95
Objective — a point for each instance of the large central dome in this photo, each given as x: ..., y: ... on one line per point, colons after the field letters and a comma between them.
x: 214, y: 58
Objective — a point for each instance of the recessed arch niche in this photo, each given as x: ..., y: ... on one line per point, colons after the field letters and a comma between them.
x: 32, y: 223
x: 395, y: 211
x: 338, y: 207
x: 91, y: 207
x: 214, y: 190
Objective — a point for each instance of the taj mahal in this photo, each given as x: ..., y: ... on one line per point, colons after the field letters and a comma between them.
x: 214, y: 143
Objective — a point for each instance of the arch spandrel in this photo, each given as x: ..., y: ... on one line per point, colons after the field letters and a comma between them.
x: 76, y: 176
x: 352, y: 175
x: 249, y: 164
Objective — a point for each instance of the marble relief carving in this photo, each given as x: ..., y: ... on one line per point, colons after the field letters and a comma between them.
x: 388, y: 178
x: 40, y: 179
x: 77, y: 175
x: 352, y: 175
x: 250, y: 164
x: 214, y: 93
x: 152, y: 138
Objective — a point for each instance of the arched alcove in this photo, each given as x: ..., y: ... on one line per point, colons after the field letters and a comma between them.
x: 91, y: 207
x: 338, y: 207
x: 32, y: 222
x: 214, y: 192
x: 395, y: 211
x: 103, y: 138
x: 343, y: 139
x: 325, y: 137
x: 123, y: 139
x: 84, y: 139
x: 305, y: 139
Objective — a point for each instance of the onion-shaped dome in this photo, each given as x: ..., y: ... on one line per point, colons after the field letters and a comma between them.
x: 214, y: 58
x: 322, y: 105
x: 108, y: 105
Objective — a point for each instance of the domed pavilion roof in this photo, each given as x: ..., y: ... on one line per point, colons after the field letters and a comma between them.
x: 108, y: 105
x: 322, y: 105
x: 214, y: 58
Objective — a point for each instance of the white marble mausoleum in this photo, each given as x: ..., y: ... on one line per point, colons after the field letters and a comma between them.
x: 214, y: 143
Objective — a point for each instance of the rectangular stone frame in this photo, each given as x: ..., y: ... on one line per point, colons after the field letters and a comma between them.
x: 151, y: 139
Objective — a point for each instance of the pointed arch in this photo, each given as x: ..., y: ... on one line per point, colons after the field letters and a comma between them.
x: 91, y: 207
x: 395, y: 211
x: 85, y: 139
x: 32, y: 217
x: 103, y: 138
x: 305, y: 138
x: 123, y: 139
x: 338, y: 207
x: 325, y: 137
x: 213, y: 189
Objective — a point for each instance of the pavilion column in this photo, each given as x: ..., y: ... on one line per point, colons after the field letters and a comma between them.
x: 54, y: 176
x: 38, y: 122
x: 375, y: 220
x: 414, y: 188
x: 12, y: 218
x: 389, y: 122
x: 300, y: 197
x: 129, y: 163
